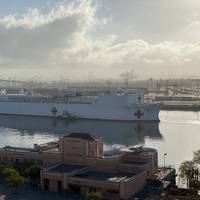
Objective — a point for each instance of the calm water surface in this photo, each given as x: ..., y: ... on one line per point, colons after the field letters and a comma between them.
x: 178, y: 133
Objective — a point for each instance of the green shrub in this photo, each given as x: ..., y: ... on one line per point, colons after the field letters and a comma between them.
x: 93, y: 196
x: 13, y: 178
x: 3, y: 166
x: 8, y: 171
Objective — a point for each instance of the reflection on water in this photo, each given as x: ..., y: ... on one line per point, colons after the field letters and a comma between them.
x: 181, y: 133
x: 40, y: 129
x: 178, y: 133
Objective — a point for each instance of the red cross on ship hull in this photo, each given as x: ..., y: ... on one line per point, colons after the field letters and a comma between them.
x: 139, y: 114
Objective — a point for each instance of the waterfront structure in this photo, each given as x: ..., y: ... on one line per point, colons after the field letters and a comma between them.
x: 124, y: 106
x: 77, y: 161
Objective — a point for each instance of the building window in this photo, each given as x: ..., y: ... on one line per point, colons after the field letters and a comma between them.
x: 40, y: 162
x: 17, y: 161
x: 59, y: 186
x: 46, y: 184
x: 4, y: 158
x: 113, y: 191
x: 32, y: 161
x: 92, y: 190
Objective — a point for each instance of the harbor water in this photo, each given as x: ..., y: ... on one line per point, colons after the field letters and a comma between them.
x: 177, y: 134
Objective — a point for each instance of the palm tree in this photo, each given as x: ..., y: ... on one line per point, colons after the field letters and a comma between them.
x: 187, y: 170
x: 196, y: 157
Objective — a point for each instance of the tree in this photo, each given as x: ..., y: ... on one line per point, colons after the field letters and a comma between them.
x: 196, y: 157
x: 187, y: 171
x: 93, y: 196
x: 23, y: 166
x: 34, y: 172
x: 15, y: 180
x: 3, y: 166
x: 8, y: 171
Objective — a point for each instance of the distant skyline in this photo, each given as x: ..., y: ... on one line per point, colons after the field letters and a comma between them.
x: 99, y: 39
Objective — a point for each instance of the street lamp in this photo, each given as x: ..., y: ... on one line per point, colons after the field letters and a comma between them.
x: 165, y: 154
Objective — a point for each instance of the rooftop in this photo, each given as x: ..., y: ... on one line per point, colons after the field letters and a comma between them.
x: 48, y: 145
x: 105, y: 176
x: 135, y: 162
x: 19, y: 149
x: 64, y: 168
x: 85, y: 136
x: 138, y: 149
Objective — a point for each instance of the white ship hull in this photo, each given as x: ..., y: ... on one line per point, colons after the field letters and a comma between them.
x: 123, y: 107
x: 148, y: 112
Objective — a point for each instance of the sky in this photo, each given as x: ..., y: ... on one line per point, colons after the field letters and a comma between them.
x: 99, y: 39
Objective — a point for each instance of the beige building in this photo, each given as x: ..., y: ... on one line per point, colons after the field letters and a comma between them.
x: 77, y: 161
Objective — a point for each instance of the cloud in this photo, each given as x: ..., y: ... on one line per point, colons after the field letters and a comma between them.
x: 65, y: 42
x: 145, y: 58
x: 34, y: 38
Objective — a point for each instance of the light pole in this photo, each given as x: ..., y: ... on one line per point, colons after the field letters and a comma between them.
x: 165, y: 154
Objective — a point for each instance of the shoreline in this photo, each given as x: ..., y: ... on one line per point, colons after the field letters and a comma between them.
x: 194, y: 108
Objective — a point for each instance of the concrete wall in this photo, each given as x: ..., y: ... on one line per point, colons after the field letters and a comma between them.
x: 45, y: 157
x: 93, y: 183
x: 53, y: 180
x: 150, y: 156
x: 52, y: 176
x: 104, y: 164
x: 56, y: 176
x: 53, y: 185
x: 133, y: 185
x: 74, y: 150
x: 137, y: 169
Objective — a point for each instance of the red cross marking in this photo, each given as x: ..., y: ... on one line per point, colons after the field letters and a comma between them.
x: 54, y: 110
x: 139, y: 114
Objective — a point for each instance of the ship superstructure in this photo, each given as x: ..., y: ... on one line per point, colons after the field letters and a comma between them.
x: 119, y: 106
